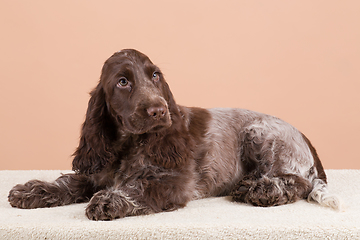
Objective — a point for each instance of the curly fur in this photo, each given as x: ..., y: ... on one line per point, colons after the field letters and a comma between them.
x: 141, y: 153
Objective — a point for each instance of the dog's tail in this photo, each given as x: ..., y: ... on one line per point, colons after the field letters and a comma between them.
x: 319, y: 192
x: 321, y: 195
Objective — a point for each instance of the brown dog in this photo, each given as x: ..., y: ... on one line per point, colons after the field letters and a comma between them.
x: 141, y: 153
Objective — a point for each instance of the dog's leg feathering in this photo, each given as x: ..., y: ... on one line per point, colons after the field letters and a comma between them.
x: 67, y: 189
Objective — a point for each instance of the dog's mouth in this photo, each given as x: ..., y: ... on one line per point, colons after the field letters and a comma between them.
x: 160, y: 127
x: 137, y: 124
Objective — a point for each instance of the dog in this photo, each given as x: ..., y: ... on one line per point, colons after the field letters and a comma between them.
x: 141, y: 153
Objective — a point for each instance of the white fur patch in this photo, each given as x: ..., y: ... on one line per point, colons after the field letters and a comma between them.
x: 321, y: 195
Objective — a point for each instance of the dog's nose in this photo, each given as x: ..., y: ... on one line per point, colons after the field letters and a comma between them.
x: 157, y: 112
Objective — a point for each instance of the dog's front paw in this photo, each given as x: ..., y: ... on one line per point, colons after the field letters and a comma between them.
x: 106, y: 205
x: 18, y: 196
x: 33, y: 194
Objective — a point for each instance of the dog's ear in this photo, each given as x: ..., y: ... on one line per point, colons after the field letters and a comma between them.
x: 98, y: 131
x: 169, y: 97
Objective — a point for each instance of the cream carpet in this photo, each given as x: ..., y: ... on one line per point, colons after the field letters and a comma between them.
x: 212, y: 218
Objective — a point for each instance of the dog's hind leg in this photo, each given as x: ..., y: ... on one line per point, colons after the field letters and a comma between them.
x: 271, y: 191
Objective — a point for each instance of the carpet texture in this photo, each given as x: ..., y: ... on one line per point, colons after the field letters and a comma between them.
x: 212, y: 218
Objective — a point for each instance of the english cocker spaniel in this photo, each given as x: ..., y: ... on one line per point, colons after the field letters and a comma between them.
x: 141, y: 153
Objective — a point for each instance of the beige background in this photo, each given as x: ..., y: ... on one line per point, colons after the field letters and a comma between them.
x: 297, y: 60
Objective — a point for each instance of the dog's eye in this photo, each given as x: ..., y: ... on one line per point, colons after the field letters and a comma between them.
x: 122, y: 82
x: 156, y: 76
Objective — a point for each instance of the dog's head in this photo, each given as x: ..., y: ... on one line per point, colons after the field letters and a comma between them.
x: 136, y: 93
x: 132, y: 97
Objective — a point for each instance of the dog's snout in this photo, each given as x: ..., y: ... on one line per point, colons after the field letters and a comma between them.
x: 156, y: 112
